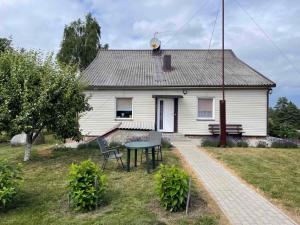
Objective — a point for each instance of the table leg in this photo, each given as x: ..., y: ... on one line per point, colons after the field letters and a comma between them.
x: 147, y: 160
x: 128, y: 159
x: 153, y: 157
x: 135, y: 157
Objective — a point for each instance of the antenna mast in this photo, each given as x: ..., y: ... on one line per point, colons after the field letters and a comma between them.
x: 222, y: 102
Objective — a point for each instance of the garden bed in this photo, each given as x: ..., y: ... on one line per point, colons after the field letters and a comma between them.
x: 131, y: 198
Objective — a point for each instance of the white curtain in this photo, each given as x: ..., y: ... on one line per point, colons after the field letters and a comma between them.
x: 124, y: 104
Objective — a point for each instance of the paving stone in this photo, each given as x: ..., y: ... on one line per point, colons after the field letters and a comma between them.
x: 241, y: 204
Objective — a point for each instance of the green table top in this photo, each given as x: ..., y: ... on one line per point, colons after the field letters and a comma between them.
x: 140, y: 144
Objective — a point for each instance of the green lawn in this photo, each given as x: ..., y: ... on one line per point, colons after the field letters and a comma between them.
x: 274, y: 171
x: 131, y: 198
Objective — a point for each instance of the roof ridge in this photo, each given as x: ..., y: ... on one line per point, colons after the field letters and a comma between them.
x: 103, y: 50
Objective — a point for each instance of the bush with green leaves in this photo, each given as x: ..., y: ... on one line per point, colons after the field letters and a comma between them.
x: 115, y: 144
x: 242, y: 144
x: 172, y: 187
x: 262, y: 144
x: 284, y: 144
x: 230, y: 143
x: 10, y: 177
x: 210, y: 143
x: 88, y: 145
x: 87, y: 185
x: 165, y: 143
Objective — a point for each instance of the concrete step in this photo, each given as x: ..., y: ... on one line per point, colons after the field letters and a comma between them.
x: 174, y: 137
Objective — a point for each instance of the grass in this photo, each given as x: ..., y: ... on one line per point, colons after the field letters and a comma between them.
x: 276, y: 172
x: 130, y: 198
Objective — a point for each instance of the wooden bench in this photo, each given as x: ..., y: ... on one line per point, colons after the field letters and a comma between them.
x: 231, y: 129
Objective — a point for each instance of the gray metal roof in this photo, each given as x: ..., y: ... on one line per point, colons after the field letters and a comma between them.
x: 134, y: 125
x: 190, y: 68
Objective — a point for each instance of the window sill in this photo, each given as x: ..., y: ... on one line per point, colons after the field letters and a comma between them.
x: 124, y: 119
x: 205, y: 119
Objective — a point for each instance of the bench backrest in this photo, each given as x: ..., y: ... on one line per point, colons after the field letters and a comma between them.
x: 230, y: 128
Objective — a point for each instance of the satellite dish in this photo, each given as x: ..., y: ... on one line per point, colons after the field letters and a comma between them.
x: 154, y: 43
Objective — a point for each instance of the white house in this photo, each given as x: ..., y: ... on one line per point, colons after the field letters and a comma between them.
x: 173, y: 91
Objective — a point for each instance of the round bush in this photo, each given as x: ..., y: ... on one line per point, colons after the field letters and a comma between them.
x: 9, y: 182
x: 242, y: 144
x: 172, y: 187
x: 86, y: 186
x: 262, y: 144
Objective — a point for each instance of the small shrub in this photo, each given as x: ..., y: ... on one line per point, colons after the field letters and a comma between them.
x: 4, y: 137
x: 207, y: 220
x: 165, y: 144
x: 9, y: 182
x: 242, y: 144
x: 172, y: 187
x: 115, y: 144
x: 262, y: 144
x: 230, y: 143
x: 89, y: 145
x: 284, y: 144
x: 86, y: 186
x: 210, y: 143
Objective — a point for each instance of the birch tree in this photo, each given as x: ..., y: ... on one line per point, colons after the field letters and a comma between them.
x: 37, y: 94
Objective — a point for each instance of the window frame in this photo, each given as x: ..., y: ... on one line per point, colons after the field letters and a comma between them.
x: 115, y: 111
x: 213, y: 109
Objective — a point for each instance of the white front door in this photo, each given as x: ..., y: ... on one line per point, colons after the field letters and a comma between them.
x: 165, y: 115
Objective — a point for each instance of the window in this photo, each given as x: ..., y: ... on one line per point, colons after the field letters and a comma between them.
x: 205, y: 108
x: 124, y: 108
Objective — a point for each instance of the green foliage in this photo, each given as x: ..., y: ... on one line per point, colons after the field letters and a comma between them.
x: 284, y: 144
x: 242, y: 144
x: 284, y: 119
x: 262, y: 144
x: 210, y: 143
x: 216, y: 143
x: 87, y: 185
x: 38, y: 94
x: 81, y: 42
x: 115, y: 144
x: 4, y: 137
x: 5, y: 44
x: 9, y: 182
x: 165, y: 144
x: 89, y: 145
x: 207, y: 220
x: 230, y: 143
x: 172, y: 187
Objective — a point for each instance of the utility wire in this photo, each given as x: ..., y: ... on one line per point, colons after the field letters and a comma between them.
x: 187, y: 22
x: 268, y: 37
x: 212, y: 34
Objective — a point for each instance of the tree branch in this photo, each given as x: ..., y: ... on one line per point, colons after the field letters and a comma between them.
x: 37, y: 133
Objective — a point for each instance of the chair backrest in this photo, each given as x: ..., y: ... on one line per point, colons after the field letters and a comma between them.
x: 155, y: 137
x: 102, y: 144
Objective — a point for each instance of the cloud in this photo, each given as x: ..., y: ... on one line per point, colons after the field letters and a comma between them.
x: 130, y: 24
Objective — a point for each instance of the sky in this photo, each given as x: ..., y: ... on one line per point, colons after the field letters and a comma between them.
x: 272, y: 47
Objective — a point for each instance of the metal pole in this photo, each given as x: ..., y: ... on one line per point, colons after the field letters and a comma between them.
x: 222, y: 102
x: 223, y: 44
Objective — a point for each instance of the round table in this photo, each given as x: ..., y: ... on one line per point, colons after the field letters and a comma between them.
x: 140, y: 145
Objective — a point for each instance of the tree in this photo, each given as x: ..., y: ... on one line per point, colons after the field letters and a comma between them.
x: 284, y: 119
x: 81, y: 42
x: 5, y: 44
x: 37, y: 94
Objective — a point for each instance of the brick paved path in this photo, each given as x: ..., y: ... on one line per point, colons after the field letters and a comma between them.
x: 240, y: 204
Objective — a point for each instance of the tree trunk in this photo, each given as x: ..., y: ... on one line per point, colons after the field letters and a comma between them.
x: 28, y: 147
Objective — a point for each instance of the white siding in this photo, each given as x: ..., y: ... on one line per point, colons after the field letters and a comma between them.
x: 243, y: 106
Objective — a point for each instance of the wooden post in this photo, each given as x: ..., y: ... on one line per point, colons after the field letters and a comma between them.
x: 222, y: 102
x: 188, y: 197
